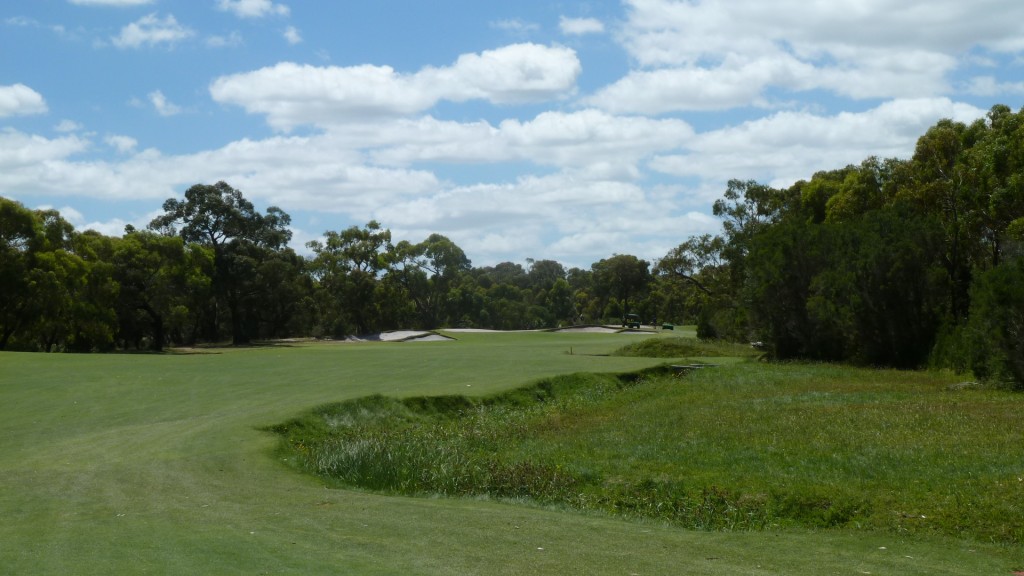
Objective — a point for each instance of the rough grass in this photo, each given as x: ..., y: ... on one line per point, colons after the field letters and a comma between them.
x: 678, y: 347
x: 743, y: 447
x: 157, y: 464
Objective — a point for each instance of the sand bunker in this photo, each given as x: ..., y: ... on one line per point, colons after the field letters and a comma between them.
x: 595, y: 329
x: 401, y: 336
x: 431, y: 336
x: 601, y: 330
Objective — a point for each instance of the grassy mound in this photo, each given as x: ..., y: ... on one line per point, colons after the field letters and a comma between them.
x: 738, y: 447
x: 684, y: 348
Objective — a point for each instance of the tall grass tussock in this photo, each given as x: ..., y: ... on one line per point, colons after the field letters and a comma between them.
x: 748, y: 446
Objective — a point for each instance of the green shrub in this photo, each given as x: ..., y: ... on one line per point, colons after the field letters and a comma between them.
x: 738, y: 447
x: 683, y: 348
x: 994, y: 337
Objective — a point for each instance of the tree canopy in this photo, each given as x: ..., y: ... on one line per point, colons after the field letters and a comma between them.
x: 897, y: 262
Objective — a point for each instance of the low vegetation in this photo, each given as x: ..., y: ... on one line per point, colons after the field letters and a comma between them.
x: 147, y: 463
x: 686, y: 348
x: 737, y: 447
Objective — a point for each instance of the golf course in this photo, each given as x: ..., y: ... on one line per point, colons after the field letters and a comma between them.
x: 167, y: 464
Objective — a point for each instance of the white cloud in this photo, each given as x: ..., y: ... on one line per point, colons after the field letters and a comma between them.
x: 293, y: 94
x: 71, y: 215
x: 788, y: 146
x: 114, y: 227
x: 252, y: 8
x: 67, y: 126
x: 152, y: 30
x: 706, y: 55
x: 291, y: 34
x: 317, y: 173
x: 20, y: 100
x: 737, y: 81
x: 19, y: 150
x: 591, y: 189
x: 664, y: 90
x: 117, y: 3
x: 664, y: 32
x: 123, y: 144
x: 162, y: 105
x: 518, y: 73
x: 580, y: 26
x: 591, y: 193
x: 232, y: 39
x: 516, y: 26
x: 567, y: 216
x: 586, y: 138
x: 990, y: 86
x: 25, y: 22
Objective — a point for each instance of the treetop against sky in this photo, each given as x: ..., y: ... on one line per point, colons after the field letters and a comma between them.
x: 532, y: 129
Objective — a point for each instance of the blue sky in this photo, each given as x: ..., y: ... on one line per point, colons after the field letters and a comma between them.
x: 549, y: 130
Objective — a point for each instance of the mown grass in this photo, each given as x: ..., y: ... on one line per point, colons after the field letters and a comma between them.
x: 741, y: 447
x: 158, y: 464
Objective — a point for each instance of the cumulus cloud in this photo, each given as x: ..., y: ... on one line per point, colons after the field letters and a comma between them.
x: 594, y: 180
x: 111, y: 2
x: 664, y: 32
x: 20, y: 100
x: 585, y: 138
x: 519, y: 73
x: 515, y: 26
x: 591, y: 184
x: 151, y: 30
x: 318, y: 173
x: 580, y: 26
x: 123, y: 144
x: 19, y: 150
x: 162, y: 105
x: 292, y: 94
x: 232, y: 39
x: 252, y: 8
x: 707, y: 55
x: 990, y: 86
x: 665, y: 90
x: 292, y: 36
x: 568, y: 216
x: 788, y: 146
x: 67, y: 126
x: 536, y: 171
x: 738, y: 81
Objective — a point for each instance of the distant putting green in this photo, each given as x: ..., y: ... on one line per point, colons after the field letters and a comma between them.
x: 136, y: 464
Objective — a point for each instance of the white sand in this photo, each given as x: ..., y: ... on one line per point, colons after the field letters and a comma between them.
x: 397, y: 335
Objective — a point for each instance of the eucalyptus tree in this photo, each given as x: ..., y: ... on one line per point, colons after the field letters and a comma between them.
x: 347, y: 270
x: 242, y: 240
x: 426, y: 272
x: 162, y: 282
x: 20, y: 237
x: 619, y: 281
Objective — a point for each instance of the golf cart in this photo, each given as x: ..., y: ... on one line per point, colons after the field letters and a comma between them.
x: 631, y: 321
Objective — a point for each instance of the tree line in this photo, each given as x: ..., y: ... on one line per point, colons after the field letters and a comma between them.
x: 212, y: 268
x: 901, y: 263
x: 895, y: 262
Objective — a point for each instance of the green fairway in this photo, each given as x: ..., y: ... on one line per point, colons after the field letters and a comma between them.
x: 155, y: 464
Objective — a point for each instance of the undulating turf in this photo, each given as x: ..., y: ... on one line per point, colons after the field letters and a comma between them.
x: 136, y: 464
x: 737, y: 447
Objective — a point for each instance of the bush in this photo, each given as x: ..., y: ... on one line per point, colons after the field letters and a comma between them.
x: 994, y: 337
x: 683, y: 348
